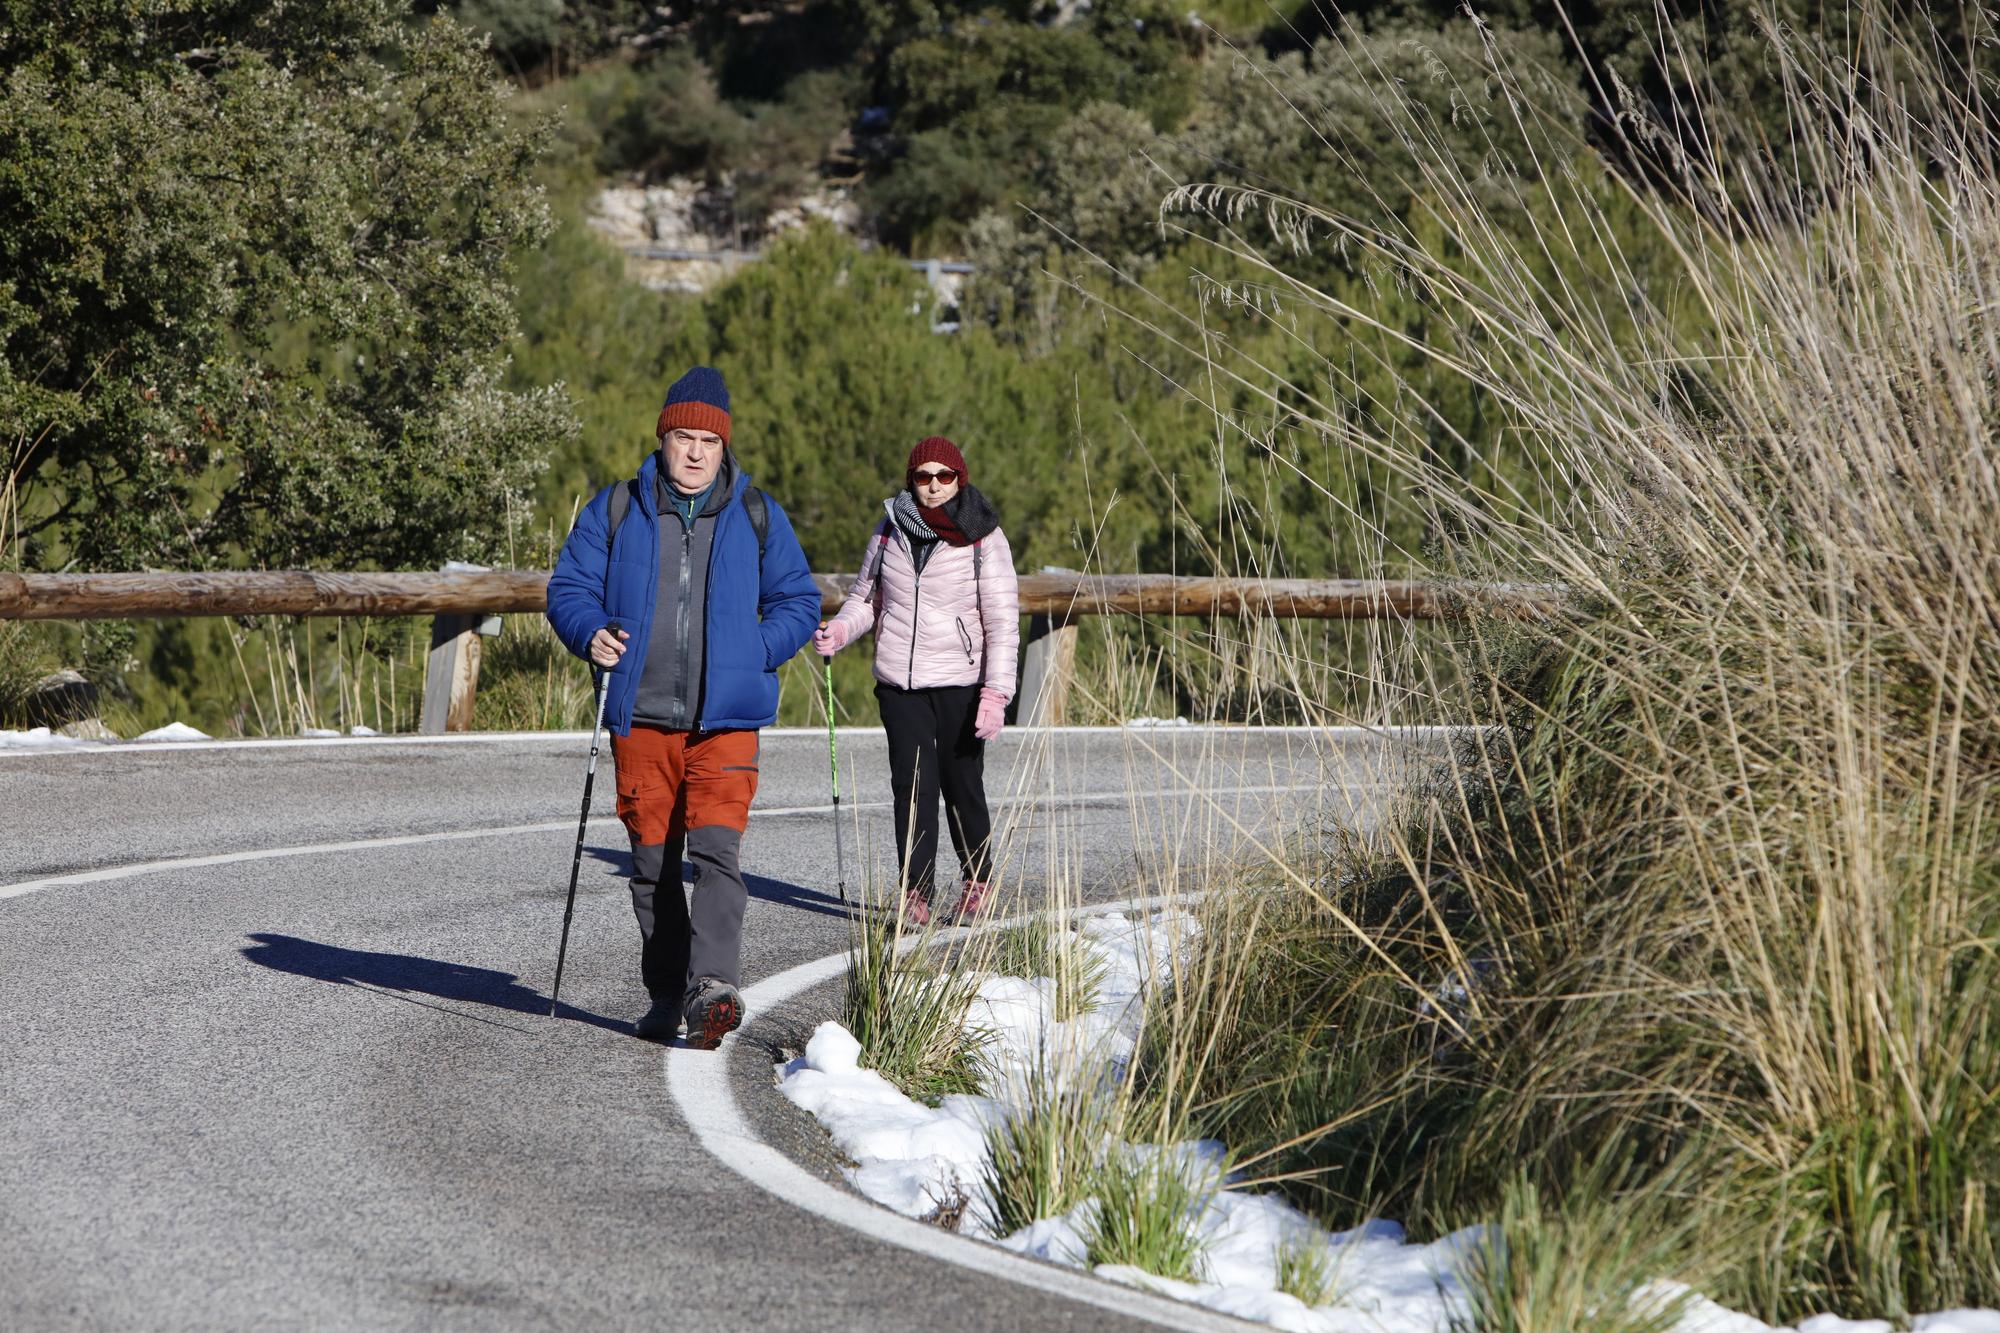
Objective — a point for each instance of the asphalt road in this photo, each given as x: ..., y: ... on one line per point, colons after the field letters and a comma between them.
x: 318, y: 1088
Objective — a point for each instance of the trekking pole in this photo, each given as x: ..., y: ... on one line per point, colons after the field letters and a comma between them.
x: 576, y: 861
x: 833, y: 758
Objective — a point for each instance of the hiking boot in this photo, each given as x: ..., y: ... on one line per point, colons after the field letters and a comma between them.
x: 977, y: 898
x: 714, y: 1010
x: 916, y: 907
x: 660, y: 1022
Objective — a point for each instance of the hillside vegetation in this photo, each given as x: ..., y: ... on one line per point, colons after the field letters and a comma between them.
x: 352, y: 314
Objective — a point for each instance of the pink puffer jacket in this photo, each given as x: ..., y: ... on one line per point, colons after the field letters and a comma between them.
x: 938, y: 628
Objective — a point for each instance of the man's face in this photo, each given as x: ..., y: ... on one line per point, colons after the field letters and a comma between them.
x: 693, y: 457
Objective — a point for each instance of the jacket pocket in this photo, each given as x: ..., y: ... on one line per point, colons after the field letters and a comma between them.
x: 964, y: 638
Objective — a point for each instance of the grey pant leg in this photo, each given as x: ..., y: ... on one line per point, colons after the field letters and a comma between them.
x: 660, y: 906
x: 719, y: 898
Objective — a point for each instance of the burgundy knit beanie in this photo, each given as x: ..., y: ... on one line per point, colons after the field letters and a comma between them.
x: 935, y: 449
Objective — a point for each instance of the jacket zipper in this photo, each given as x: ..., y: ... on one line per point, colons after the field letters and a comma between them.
x: 965, y: 637
x: 681, y: 622
x: 916, y: 598
x: 640, y: 643
x: 714, y: 535
x: 916, y: 619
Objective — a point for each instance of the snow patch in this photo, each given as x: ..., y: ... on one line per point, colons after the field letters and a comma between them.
x: 919, y: 1160
x: 41, y: 738
x: 173, y: 731
x: 37, y: 738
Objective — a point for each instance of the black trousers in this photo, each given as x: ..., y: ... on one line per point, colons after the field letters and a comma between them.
x: 932, y: 751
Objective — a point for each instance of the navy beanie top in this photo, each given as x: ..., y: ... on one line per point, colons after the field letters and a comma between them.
x: 698, y: 400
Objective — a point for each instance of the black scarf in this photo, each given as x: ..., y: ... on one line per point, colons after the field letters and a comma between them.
x: 960, y: 521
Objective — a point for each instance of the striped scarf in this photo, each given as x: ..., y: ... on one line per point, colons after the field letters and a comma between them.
x: 904, y: 506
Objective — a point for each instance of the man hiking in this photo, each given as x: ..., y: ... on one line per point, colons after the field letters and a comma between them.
x: 688, y: 587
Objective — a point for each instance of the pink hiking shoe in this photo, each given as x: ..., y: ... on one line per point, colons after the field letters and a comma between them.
x: 916, y: 907
x: 975, y: 899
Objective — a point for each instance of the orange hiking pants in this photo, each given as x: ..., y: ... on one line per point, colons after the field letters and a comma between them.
x: 682, y: 792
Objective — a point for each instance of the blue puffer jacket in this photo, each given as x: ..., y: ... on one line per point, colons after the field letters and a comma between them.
x: 756, y: 618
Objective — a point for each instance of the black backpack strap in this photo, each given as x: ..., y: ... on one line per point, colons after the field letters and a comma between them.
x: 758, y: 506
x: 620, y: 503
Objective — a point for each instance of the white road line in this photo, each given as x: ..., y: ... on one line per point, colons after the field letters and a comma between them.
x: 574, y: 737
x: 698, y: 1081
x: 23, y: 888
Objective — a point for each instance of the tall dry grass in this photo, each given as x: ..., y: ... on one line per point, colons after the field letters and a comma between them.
x: 1715, y: 888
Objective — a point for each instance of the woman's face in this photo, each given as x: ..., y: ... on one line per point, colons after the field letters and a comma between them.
x: 934, y: 483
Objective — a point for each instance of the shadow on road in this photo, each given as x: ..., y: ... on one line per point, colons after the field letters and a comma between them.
x: 401, y: 972
x: 769, y: 890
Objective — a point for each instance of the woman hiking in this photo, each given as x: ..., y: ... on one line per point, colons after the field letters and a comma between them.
x: 937, y: 586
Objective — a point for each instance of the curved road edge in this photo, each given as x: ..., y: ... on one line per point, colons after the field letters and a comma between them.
x: 700, y: 1085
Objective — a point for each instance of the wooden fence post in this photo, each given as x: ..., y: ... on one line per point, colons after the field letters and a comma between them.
x: 451, y: 673
x: 1048, y: 662
x: 1047, y: 665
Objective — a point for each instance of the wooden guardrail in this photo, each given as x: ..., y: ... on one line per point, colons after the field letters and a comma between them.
x: 493, y: 592
x: 464, y: 603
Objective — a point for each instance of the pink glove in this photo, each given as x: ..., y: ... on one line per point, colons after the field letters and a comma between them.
x: 992, y: 715
x: 829, y: 638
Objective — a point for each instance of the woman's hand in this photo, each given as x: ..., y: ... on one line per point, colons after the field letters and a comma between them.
x: 992, y: 715
x: 829, y: 638
x: 605, y: 650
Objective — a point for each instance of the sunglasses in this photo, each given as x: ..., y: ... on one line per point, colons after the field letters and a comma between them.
x: 944, y: 476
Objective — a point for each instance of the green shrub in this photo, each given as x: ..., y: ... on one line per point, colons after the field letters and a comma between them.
x: 529, y: 682
x: 1048, y: 1155
x: 1043, y: 950
x: 908, y: 1010
x: 1593, y: 1264
x: 1307, y: 1270
x: 27, y: 654
x: 1149, y: 1214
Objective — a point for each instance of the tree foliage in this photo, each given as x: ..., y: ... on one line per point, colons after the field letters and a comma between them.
x: 253, y: 287
x: 1076, y: 379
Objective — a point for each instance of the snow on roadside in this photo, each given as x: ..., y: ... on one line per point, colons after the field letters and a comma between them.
x: 41, y: 738
x: 38, y: 738
x: 917, y: 1159
x: 173, y: 731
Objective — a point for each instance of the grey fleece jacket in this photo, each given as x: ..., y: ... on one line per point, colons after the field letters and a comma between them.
x: 669, y: 694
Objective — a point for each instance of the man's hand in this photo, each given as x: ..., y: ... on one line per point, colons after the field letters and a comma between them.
x: 605, y: 649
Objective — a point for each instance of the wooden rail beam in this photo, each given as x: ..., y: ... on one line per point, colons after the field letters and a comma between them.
x: 1071, y: 595
x: 1064, y: 596
x: 289, y: 593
